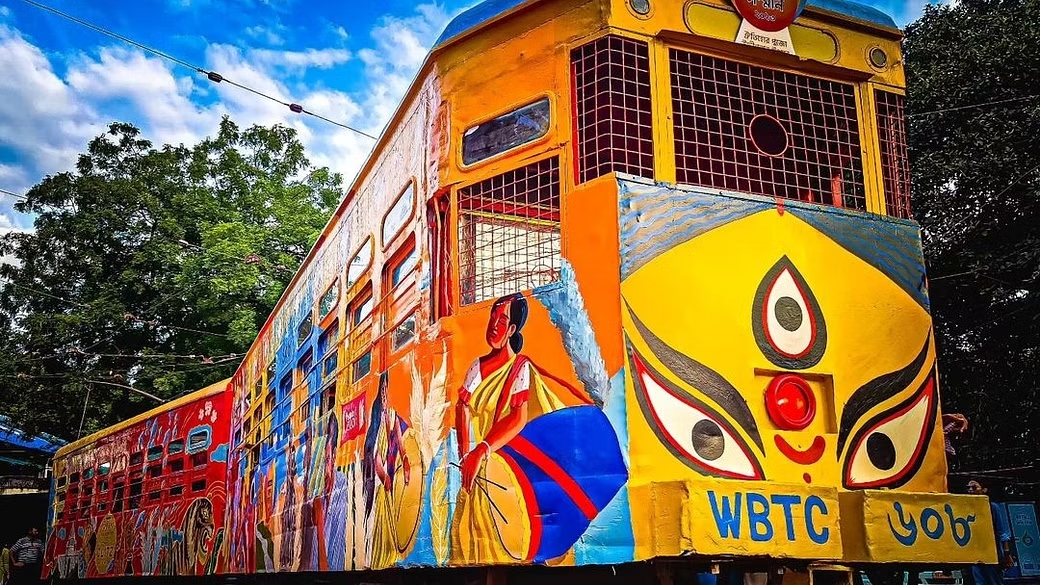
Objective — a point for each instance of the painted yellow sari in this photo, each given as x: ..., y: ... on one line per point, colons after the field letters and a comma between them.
x: 491, y: 523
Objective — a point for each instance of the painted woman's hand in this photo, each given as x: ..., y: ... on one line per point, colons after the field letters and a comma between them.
x: 472, y: 463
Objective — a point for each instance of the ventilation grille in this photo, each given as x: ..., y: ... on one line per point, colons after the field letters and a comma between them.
x: 895, y: 163
x: 806, y: 142
x: 614, y: 124
x: 509, y: 232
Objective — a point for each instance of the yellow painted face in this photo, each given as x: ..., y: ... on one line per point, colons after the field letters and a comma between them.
x: 790, y: 346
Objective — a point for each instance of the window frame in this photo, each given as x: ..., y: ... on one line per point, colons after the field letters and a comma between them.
x: 410, y: 187
x: 513, y: 107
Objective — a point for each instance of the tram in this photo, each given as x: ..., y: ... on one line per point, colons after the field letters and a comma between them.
x: 625, y: 284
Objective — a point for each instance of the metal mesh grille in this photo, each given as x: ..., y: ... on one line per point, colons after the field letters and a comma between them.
x: 895, y: 163
x: 803, y: 145
x: 509, y: 232
x: 612, y: 93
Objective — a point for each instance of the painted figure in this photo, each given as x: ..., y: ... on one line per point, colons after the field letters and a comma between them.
x: 522, y: 497
x: 384, y: 458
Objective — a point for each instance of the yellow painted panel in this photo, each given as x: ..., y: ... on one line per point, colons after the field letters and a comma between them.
x: 778, y: 520
x: 812, y: 43
x: 722, y: 24
x: 916, y: 527
x: 707, y: 516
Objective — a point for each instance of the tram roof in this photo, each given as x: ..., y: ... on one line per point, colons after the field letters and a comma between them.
x: 489, y: 10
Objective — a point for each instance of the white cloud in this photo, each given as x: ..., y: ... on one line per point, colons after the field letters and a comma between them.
x: 306, y: 59
x: 401, y: 45
x: 46, y: 120
x: 265, y: 34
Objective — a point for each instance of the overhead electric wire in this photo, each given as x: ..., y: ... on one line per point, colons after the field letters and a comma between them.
x: 13, y: 194
x: 968, y: 107
x: 211, y: 75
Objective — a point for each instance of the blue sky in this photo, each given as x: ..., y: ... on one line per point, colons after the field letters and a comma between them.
x: 349, y: 60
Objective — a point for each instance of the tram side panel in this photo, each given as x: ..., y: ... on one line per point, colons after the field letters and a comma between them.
x: 147, y: 499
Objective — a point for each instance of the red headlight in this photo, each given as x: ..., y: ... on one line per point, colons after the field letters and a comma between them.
x: 790, y: 402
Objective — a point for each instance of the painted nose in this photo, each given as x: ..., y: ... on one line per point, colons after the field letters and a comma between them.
x: 790, y: 402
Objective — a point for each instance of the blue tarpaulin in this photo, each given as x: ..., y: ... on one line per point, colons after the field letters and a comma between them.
x: 12, y: 438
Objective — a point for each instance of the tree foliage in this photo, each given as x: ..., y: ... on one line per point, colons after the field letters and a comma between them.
x: 151, y: 268
x: 974, y: 123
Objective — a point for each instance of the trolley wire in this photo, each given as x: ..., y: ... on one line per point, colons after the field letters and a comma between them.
x: 211, y: 75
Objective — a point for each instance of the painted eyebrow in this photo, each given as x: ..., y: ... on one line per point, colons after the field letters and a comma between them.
x: 877, y: 391
x: 703, y: 378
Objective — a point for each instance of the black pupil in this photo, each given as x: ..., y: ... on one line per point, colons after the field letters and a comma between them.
x: 881, y: 451
x: 788, y: 313
x: 707, y: 440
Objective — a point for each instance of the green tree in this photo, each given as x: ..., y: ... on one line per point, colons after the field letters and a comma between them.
x: 151, y: 269
x: 974, y: 128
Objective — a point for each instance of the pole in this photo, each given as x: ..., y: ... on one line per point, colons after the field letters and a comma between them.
x: 83, y: 417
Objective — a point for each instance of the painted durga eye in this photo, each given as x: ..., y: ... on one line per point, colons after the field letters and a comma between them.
x: 786, y: 320
x: 890, y: 447
x: 693, y: 431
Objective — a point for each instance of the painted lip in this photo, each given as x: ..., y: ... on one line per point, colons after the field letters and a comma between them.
x: 807, y: 457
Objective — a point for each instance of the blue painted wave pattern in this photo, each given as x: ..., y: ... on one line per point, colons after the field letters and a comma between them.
x: 894, y: 248
x: 567, y: 312
x: 657, y: 218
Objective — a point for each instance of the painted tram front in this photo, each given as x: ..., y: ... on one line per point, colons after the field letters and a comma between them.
x: 623, y: 280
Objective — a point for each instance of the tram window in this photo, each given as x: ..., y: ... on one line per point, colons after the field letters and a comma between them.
x: 402, y: 264
x: 303, y: 331
x: 303, y: 367
x: 269, y: 403
x: 271, y: 370
x: 176, y: 490
x: 102, y: 506
x: 257, y: 388
x: 62, y: 481
x: 74, y: 477
x: 360, y: 262
x: 330, y: 366
x: 136, y: 458
x: 362, y: 366
x: 84, y: 513
x: 176, y: 447
x: 117, y: 497
x: 103, y: 486
x: 104, y: 468
x: 154, y: 470
x: 88, y: 473
x: 198, y: 440
x: 405, y: 332
x: 155, y: 453
x: 611, y: 80
x: 175, y: 465
x: 506, y: 132
x: 502, y: 253
x: 199, y: 459
x: 198, y: 485
x: 152, y: 496
x: 399, y: 214
x: 87, y: 490
x: 328, y: 399
x: 329, y: 338
x: 807, y: 148
x: 895, y: 164
x: 362, y: 308
x: 328, y: 300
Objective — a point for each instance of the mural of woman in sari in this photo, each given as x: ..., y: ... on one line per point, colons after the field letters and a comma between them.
x: 384, y: 453
x: 530, y: 487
